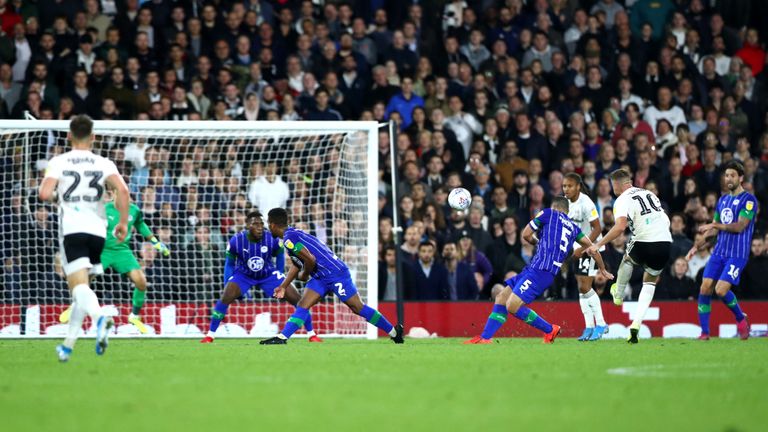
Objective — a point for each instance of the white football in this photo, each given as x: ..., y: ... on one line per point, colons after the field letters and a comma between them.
x: 460, y: 199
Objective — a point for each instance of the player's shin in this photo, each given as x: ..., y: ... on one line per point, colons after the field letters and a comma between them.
x: 597, y: 309
x: 298, y: 319
x: 86, y: 300
x: 137, y: 301
x: 496, y: 319
x: 705, y: 308
x: 308, y: 325
x: 643, y: 303
x: 217, y: 316
x: 623, y: 275
x: 374, y: 317
x: 75, y: 325
x: 729, y: 299
x: 586, y: 310
x: 533, y: 319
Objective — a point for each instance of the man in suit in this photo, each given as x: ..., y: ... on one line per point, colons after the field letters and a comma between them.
x: 461, y: 280
x: 426, y: 279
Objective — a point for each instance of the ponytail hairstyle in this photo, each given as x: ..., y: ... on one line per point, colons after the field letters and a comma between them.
x: 583, y: 188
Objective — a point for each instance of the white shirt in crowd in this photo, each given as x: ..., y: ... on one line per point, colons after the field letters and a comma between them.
x: 266, y: 196
x: 674, y: 115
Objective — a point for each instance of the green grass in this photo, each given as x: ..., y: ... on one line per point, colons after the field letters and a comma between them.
x: 435, y: 385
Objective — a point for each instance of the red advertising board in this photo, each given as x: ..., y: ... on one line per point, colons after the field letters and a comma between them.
x: 458, y: 319
x: 670, y: 319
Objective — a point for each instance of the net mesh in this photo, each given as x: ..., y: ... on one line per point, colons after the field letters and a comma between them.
x: 194, y: 188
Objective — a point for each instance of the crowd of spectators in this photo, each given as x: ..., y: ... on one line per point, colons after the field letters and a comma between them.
x: 502, y: 97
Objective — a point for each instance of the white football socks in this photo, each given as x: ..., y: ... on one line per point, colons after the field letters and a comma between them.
x: 86, y: 299
x: 623, y: 275
x: 643, y: 303
x: 586, y: 309
x: 76, y: 318
x: 597, y: 309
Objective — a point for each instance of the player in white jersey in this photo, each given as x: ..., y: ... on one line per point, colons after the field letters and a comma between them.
x: 649, y: 246
x: 76, y: 181
x: 583, y: 211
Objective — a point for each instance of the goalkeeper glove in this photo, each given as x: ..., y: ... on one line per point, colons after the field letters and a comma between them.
x: 160, y: 246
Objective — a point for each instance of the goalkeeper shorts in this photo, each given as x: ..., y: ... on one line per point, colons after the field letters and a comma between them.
x: 120, y: 260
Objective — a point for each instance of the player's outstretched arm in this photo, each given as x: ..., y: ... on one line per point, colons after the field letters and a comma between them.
x: 146, y: 232
x: 122, y: 202
x: 619, y: 227
x: 593, y: 235
x: 586, y: 244
x: 740, y: 225
x: 289, y: 278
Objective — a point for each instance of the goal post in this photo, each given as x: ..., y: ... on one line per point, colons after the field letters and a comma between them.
x: 194, y: 182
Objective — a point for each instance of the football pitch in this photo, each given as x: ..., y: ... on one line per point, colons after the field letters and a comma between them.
x: 359, y: 385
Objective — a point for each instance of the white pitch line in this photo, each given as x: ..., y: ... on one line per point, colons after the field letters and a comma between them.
x: 670, y: 371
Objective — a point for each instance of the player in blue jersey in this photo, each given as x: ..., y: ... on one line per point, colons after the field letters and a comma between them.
x: 329, y: 274
x: 556, y: 236
x: 249, y: 263
x: 734, y: 223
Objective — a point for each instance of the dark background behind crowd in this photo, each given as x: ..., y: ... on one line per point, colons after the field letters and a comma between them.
x: 500, y: 97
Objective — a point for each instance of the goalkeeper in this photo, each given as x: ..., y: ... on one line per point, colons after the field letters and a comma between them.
x: 118, y: 256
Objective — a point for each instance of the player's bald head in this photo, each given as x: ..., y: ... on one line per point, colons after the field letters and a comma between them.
x: 560, y: 203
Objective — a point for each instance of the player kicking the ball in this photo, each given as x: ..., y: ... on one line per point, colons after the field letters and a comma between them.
x: 557, y: 233
x: 734, y: 222
x: 249, y: 263
x: 118, y: 256
x: 583, y: 212
x: 649, y: 247
x: 329, y: 274
x: 76, y: 179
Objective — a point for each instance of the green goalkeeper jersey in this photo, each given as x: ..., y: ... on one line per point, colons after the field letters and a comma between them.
x: 135, y: 219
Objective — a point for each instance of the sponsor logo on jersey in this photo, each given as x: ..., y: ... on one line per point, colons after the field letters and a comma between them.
x: 289, y: 244
x: 264, y: 249
x: 750, y: 205
x: 540, y: 213
x: 735, y: 202
x: 594, y: 213
x: 727, y: 215
x: 256, y: 263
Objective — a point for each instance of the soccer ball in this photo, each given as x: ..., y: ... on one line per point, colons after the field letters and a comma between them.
x: 459, y: 199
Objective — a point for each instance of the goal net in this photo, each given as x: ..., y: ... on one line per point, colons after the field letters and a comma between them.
x: 194, y: 183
